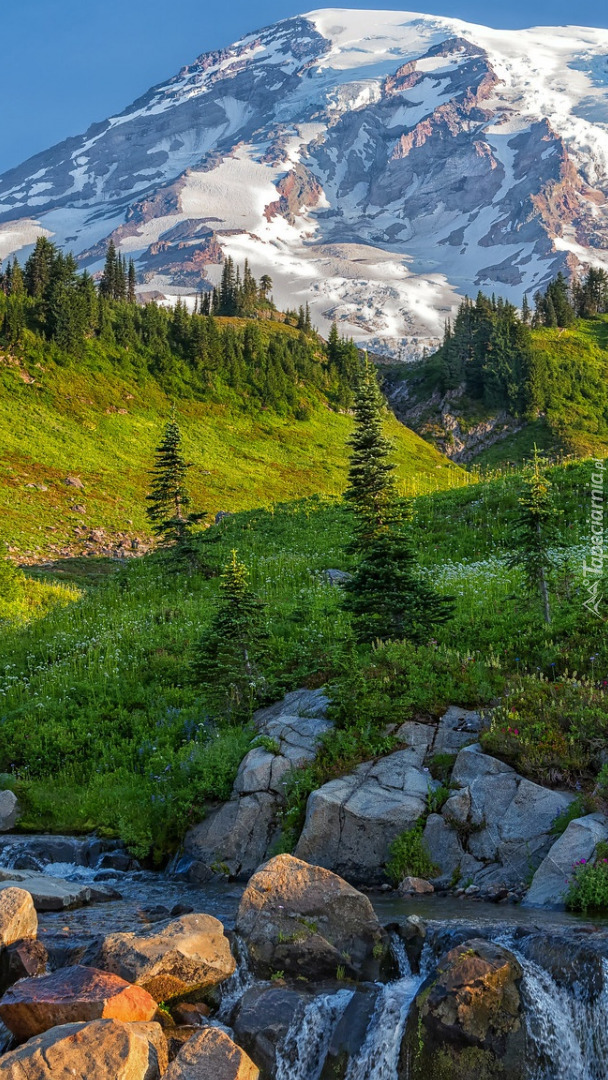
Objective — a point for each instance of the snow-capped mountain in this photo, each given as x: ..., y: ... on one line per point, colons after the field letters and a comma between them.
x: 376, y: 163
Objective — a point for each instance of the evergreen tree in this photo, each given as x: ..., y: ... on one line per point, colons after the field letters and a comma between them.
x: 228, y: 663
x: 168, y: 499
x: 107, y: 285
x: 526, y: 314
x: 265, y: 286
x: 534, y: 530
x: 131, y: 283
x: 371, y: 491
x: 386, y: 595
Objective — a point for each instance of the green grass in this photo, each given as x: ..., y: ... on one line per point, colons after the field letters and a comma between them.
x: 100, y: 419
x: 100, y: 726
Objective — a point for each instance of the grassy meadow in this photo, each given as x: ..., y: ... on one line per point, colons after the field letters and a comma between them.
x: 103, y: 728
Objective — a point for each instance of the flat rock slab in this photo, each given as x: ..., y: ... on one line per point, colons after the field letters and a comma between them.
x: 191, y: 953
x: 48, y: 893
x: 18, y: 917
x: 102, y: 1050
x: 212, y: 1054
x: 71, y: 995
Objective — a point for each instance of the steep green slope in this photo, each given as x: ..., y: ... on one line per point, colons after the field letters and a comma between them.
x: 98, y: 420
x: 572, y: 366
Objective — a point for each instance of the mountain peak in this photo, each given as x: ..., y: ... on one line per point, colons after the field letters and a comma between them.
x: 378, y: 164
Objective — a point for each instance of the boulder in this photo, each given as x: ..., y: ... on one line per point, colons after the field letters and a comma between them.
x: 337, y: 577
x: 263, y: 1018
x: 467, y: 1021
x: 237, y: 836
x: 415, y: 886
x: 501, y: 820
x: 48, y: 893
x: 305, y: 921
x: 418, y: 739
x: 21, y: 960
x: 212, y: 1055
x: 351, y: 822
x: 9, y: 810
x: 103, y: 1050
x: 191, y: 953
x: 70, y: 995
x: 18, y: 917
x: 579, y: 841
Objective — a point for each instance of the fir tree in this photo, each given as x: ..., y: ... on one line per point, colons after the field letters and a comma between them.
x: 107, y: 285
x: 371, y: 491
x: 534, y: 530
x: 131, y: 282
x: 168, y: 499
x: 229, y: 659
x: 386, y: 595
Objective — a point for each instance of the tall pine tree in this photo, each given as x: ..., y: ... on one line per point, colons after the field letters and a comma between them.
x: 168, y: 499
x: 386, y: 595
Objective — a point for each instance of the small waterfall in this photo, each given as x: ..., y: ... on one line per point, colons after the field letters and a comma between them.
x: 233, y: 989
x: 568, y: 1032
x: 379, y: 1056
x: 304, y: 1051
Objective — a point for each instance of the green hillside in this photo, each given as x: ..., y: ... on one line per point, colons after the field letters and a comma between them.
x: 553, y: 381
x: 99, y: 418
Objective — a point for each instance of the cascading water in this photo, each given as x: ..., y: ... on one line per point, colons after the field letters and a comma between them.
x: 233, y: 989
x: 568, y: 1032
x: 303, y: 1053
x: 379, y: 1055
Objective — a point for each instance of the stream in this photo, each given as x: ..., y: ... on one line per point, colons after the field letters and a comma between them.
x: 564, y: 960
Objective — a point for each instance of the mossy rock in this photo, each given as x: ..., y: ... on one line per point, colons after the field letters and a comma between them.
x: 466, y: 1022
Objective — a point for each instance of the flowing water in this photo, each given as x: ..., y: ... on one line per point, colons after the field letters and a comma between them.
x: 379, y: 1055
x: 304, y: 1050
x: 566, y: 1015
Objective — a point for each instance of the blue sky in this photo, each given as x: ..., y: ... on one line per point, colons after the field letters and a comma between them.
x: 67, y: 63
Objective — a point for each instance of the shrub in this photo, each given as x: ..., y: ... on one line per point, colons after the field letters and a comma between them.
x: 588, y: 885
x: 552, y: 732
x: 409, y: 856
x: 441, y: 765
x: 578, y: 808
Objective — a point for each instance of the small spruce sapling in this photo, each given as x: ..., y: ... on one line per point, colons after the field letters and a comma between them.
x: 228, y: 663
x: 534, y: 530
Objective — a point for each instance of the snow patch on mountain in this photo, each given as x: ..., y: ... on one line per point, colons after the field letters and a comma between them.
x: 378, y: 164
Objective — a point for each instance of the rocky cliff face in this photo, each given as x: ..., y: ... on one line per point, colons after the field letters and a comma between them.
x: 375, y: 163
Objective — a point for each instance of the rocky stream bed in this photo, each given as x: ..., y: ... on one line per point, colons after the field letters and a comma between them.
x: 296, y: 976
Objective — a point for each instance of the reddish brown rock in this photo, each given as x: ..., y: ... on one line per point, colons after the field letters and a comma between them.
x: 102, y: 1050
x: 70, y: 995
x: 211, y: 1055
x: 18, y: 918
